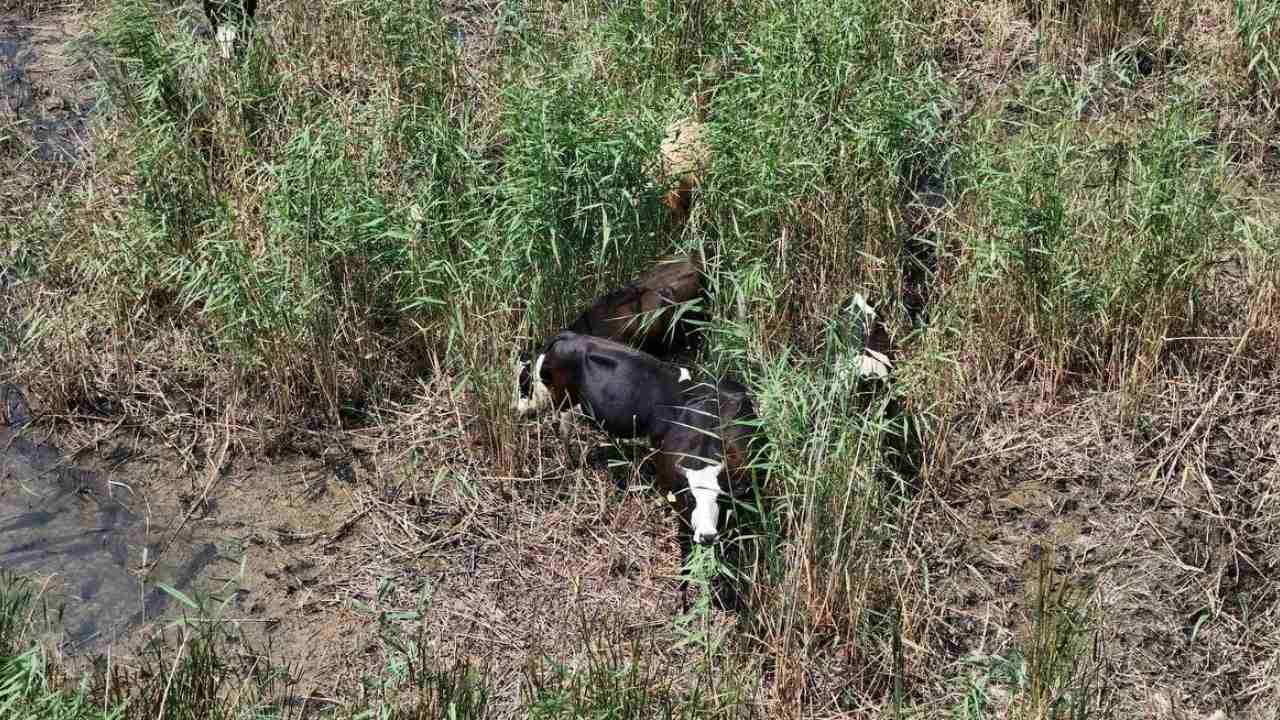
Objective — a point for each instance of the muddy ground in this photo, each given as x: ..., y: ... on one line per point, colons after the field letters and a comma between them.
x: 499, y: 569
x: 1165, y: 520
x: 46, y: 76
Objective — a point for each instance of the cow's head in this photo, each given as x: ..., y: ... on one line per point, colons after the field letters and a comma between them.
x: 529, y: 394
x: 542, y: 384
x: 226, y: 38
x: 704, y: 488
x: 863, y: 321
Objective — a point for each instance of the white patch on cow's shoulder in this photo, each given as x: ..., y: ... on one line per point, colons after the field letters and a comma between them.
x: 226, y: 40
x: 868, y: 365
x: 705, y: 486
x: 873, y: 364
x: 685, y: 375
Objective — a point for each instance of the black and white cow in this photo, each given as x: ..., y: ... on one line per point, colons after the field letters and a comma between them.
x: 628, y: 392
x: 711, y: 466
x: 709, y: 455
x: 227, y: 17
x: 867, y: 349
x: 656, y: 313
x: 706, y: 434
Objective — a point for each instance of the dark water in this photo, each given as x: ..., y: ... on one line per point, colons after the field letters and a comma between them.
x: 88, y: 534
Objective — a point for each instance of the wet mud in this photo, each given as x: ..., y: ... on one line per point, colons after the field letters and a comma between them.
x: 100, y: 526
x: 46, y: 94
x: 100, y: 531
x: 87, y: 538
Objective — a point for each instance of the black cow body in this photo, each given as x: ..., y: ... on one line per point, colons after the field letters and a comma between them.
x: 706, y: 434
x: 630, y: 393
x: 649, y: 313
x: 713, y: 424
x: 713, y: 441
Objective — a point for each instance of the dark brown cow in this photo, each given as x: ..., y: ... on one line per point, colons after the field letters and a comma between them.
x: 656, y: 313
x: 651, y: 312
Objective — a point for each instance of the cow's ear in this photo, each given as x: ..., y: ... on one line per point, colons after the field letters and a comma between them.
x: 602, y: 360
x: 562, y: 335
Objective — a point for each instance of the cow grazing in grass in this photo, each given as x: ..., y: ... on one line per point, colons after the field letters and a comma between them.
x: 228, y: 17
x: 629, y: 392
x: 706, y: 434
x: 710, y: 446
x: 709, y: 462
x: 684, y: 155
x: 656, y: 312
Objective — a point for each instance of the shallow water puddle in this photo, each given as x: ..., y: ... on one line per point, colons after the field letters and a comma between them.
x: 86, y: 538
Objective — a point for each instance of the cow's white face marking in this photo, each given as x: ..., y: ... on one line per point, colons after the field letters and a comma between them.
x: 226, y: 40
x: 704, y: 484
x: 869, y: 364
x: 685, y: 375
x: 539, y: 396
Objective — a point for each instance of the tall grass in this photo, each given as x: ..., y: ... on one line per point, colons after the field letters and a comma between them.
x: 1258, y: 28
x: 1058, y: 669
x: 361, y: 199
x: 1084, y: 256
x: 1095, y: 24
x: 612, y: 679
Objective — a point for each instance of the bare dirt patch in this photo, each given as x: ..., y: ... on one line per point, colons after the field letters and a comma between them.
x: 1166, y: 511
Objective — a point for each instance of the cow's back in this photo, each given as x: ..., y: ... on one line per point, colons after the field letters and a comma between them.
x: 630, y: 314
x: 626, y: 390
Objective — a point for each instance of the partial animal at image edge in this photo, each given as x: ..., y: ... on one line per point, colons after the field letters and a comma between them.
x: 226, y: 18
